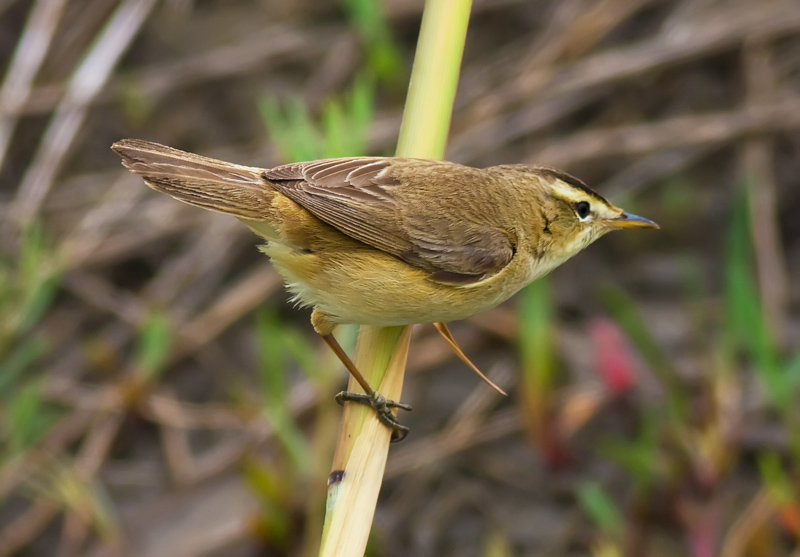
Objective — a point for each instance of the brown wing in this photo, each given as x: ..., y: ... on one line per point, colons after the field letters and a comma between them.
x: 349, y: 195
x: 363, y: 198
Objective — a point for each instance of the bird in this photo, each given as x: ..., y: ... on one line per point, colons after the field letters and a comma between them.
x: 388, y: 241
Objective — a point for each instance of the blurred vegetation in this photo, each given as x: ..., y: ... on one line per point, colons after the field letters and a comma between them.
x: 152, y: 370
x: 27, y: 288
x: 342, y: 130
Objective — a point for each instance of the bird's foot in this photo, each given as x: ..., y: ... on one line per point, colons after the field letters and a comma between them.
x: 383, y: 409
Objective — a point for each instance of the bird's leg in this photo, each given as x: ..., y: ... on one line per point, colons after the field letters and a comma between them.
x: 448, y: 337
x: 372, y: 398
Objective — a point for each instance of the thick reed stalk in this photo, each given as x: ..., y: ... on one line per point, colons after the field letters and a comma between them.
x: 363, y: 447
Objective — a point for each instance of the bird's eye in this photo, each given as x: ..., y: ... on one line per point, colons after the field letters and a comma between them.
x: 582, y: 208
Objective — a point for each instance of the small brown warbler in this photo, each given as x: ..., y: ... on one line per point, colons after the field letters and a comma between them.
x: 390, y: 241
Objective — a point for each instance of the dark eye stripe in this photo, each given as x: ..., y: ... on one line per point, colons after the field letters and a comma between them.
x: 572, y: 181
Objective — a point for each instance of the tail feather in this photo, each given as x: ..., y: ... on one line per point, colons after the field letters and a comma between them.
x: 200, y: 181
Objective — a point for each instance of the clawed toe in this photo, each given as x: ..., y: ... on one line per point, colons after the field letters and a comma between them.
x: 382, y: 409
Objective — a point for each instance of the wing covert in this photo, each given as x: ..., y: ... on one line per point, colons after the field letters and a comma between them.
x: 363, y: 198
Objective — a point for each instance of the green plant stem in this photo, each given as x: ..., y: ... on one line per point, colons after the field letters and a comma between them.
x: 381, y: 352
x: 434, y: 78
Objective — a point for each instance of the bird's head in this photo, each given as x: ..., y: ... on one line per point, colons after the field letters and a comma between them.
x: 568, y: 214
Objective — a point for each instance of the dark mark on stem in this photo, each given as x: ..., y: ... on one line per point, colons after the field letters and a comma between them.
x: 335, y: 477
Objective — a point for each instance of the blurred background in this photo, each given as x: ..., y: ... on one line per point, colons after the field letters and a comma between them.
x: 159, y: 396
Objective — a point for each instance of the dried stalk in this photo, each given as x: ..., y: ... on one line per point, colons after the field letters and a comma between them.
x: 31, y: 50
x: 85, y: 84
x: 363, y: 446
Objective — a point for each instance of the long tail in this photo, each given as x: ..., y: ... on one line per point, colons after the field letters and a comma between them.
x: 199, y: 181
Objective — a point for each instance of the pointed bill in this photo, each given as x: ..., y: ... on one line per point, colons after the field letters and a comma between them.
x: 628, y: 220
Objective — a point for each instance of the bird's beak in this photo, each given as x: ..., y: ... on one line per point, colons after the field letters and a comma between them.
x: 627, y: 220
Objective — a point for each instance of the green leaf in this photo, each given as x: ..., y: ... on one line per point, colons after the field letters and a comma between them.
x: 273, y: 369
x: 746, y: 326
x: 640, y: 456
x: 38, y: 277
x: 291, y: 129
x: 22, y: 356
x: 272, y: 359
x: 26, y: 420
x: 384, y: 56
x: 155, y: 342
x: 778, y: 484
x: 336, y: 134
x: 792, y: 372
x: 343, y: 130
x: 536, y: 335
x: 600, y: 509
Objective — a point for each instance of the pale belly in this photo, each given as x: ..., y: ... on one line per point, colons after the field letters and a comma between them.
x: 371, y: 288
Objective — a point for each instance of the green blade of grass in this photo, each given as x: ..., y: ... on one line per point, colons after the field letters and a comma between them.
x: 536, y: 336
x: 155, y: 341
x: 291, y: 128
x: 21, y: 357
x: 383, y: 54
x: 37, y: 279
x: 640, y: 457
x: 538, y: 367
x: 273, y: 368
x: 601, y: 509
x: 342, y: 130
x: 745, y: 322
x: 778, y: 484
x: 26, y: 420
